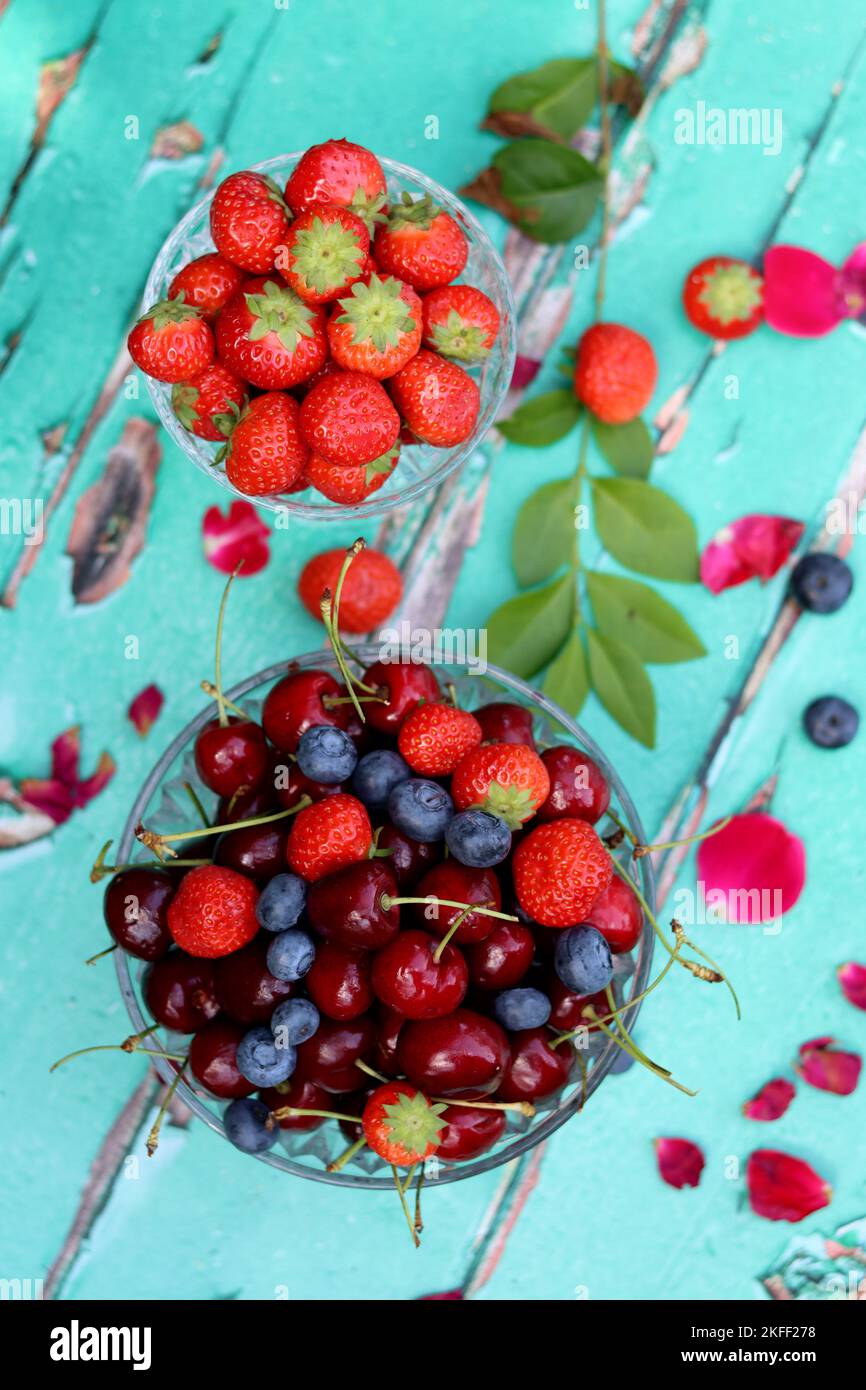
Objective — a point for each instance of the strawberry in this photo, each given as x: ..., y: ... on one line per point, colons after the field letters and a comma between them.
x: 614, y: 372
x: 401, y: 1125
x: 171, y: 342
x: 325, y: 252
x: 327, y: 836
x: 507, y: 779
x: 249, y: 221
x: 207, y: 283
x: 266, y: 452
x: 210, y: 403
x: 421, y: 244
x: 371, y: 589
x: 460, y: 322
x: 724, y: 297
x: 559, y: 871
x: 342, y: 173
x: 270, y: 337
x: 379, y: 328
x: 349, y: 485
x: 213, y: 912
x: 348, y: 419
x: 437, y: 399
x: 433, y: 738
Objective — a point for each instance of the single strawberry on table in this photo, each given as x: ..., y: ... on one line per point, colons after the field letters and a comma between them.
x: 171, y: 341
x: 270, y: 337
x: 372, y: 587
x: 349, y: 419
x: 433, y: 738
x: 437, y: 400
x: 461, y: 322
x: 249, y: 220
x: 421, y: 244
x: 342, y: 173
x: 376, y: 328
x: 209, y: 404
x: 325, y: 252
x: 507, y: 779
x: 614, y: 372
x: 207, y: 283
x: 724, y: 297
x: 352, y: 483
x: 266, y: 452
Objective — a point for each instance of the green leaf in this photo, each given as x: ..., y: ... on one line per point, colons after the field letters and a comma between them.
x: 634, y: 614
x: 627, y: 448
x: 645, y: 529
x: 623, y: 687
x: 559, y: 95
x: 567, y: 679
x: 554, y: 190
x: 543, y: 420
x: 524, y: 633
x: 544, y: 533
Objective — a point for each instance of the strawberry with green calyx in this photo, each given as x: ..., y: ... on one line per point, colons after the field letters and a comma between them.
x: 401, y: 1125
x: 342, y: 173
x: 379, y: 328
x: 460, y: 322
x: 207, y: 283
x: 171, y: 341
x: 438, y: 401
x: 350, y: 484
x: 266, y: 452
x: 724, y: 297
x: 507, y: 779
x: 325, y: 252
x: 270, y: 337
x: 249, y: 220
x: 421, y: 244
x: 209, y: 404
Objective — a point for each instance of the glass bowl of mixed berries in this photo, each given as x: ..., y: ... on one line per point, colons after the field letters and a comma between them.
x: 327, y: 332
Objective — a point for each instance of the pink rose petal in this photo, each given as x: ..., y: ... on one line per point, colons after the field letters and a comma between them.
x: 852, y: 978
x: 784, y: 1188
x: 680, y: 1162
x: 452, y: 1296
x: 50, y: 797
x: 58, y: 796
x: 65, y: 755
x: 753, y: 547
x: 239, y: 536
x: 772, y: 1100
x: 145, y: 708
x: 801, y: 293
x: 753, y: 869
x: 526, y: 369
x: 828, y: 1068
x: 851, y: 283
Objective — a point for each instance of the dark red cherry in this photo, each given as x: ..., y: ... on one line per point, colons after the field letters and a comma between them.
x: 469, y: 1133
x: 213, y: 1059
x: 566, y: 1009
x: 245, y: 988
x: 502, y: 959
x: 179, y: 991
x: 231, y: 756
x: 135, y: 908
x: 502, y: 722
x: 245, y: 805
x: 339, y: 981
x: 405, y: 684
x: 328, y: 1058
x: 578, y: 788
x: 463, y: 1054
x: 258, y: 851
x: 346, y: 907
x: 296, y: 703
x: 301, y: 1095
x: 291, y: 784
x: 407, y: 979
x: 618, y: 916
x: 535, y: 1069
x: 388, y: 1025
x: 457, y: 883
x: 408, y: 859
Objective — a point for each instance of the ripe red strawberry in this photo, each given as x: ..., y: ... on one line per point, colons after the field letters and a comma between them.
x: 559, y: 870
x: 371, y: 589
x: 327, y: 836
x: 614, y: 373
x: 270, y: 337
x: 460, y: 322
x: 724, y: 297
x: 421, y: 244
x: 342, y: 173
x: 207, y: 283
x: 507, y: 779
x: 209, y: 404
x: 249, y: 220
x: 349, y: 485
x: 401, y: 1125
x: 376, y: 328
x: 433, y: 738
x: 266, y: 452
x: 436, y: 398
x: 171, y: 342
x: 348, y: 419
x: 213, y: 912
x: 325, y: 252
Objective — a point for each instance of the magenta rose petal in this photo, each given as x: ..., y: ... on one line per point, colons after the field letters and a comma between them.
x: 65, y: 756
x: 680, y: 1162
x: 829, y: 1068
x: 754, y: 866
x: 784, y: 1188
x: 144, y: 710
x: 801, y: 296
x: 753, y: 547
x: 91, y: 786
x: 852, y: 978
x: 241, y: 537
x: 851, y: 283
x: 49, y: 796
x: 771, y: 1101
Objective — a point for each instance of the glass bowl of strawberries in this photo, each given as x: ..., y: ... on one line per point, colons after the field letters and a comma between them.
x: 327, y: 333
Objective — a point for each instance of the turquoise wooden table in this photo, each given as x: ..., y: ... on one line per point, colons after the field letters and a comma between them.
x: 89, y: 196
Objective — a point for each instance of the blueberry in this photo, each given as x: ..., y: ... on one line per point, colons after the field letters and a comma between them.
x: 281, y: 902
x: 376, y: 776
x: 290, y: 954
x: 246, y: 1126
x: 261, y: 1061
x: 294, y: 1021
x: 420, y: 809
x: 583, y: 961
x: 478, y: 839
x: 326, y: 754
x: 821, y: 582
x: 831, y: 722
x: 521, y: 1008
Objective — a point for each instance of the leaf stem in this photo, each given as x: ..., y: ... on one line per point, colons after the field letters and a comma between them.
x: 605, y: 159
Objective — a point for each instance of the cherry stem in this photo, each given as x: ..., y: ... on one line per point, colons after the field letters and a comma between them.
x: 402, y: 1195
x: 107, y: 952
x: 193, y: 796
x: 615, y: 1015
x: 458, y: 922
x: 220, y: 699
x: 331, y: 701
x: 346, y: 1155
x: 210, y: 689
x: 152, y: 1141
x: 629, y: 834
x: 418, y: 1223
x: 523, y: 1107
x: 160, y: 843
x: 291, y: 1112
x: 640, y: 850
x: 627, y: 1043
x: 387, y: 902
x: 582, y: 1064
x: 134, y: 1043
x: 376, y: 1075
